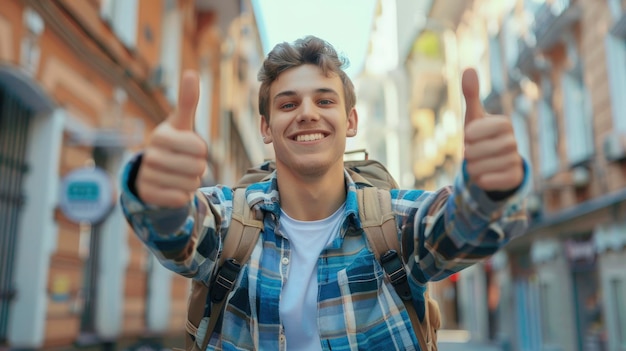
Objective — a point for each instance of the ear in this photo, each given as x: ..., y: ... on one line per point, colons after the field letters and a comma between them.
x: 266, y: 132
x: 353, y: 122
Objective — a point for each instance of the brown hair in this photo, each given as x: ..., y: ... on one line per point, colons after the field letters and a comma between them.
x: 307, y: 50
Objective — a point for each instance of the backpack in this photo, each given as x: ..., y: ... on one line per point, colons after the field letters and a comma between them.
x: 378, y: 223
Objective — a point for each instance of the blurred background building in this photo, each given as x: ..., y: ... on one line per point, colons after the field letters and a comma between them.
x: 558, y: 70
x: 82, y: 83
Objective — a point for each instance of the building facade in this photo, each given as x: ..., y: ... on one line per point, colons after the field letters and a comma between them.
x: 82, y: 84
x: 410, y: 109
x: 557, y: 69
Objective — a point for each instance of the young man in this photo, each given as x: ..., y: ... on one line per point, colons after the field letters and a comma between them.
x: 311, y: 283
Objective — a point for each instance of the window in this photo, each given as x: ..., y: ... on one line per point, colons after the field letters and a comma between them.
x: 533, y: 6
x: 484, y: 71
x: 520, y: 128
x: 15, y: 119
x: 577, y: 110
x: 527, y: 308
x: 30, y: 51
x: 203, y: 112
x: 616, y: 9
x: 618, y: 297
x: 527, y: 19
x: 379, y: 110
x: 122, y: 16
x: 549, y: 161
x: 511, y: 33
x: 548, y: 324
x: 578, y: 116
x: 559, y: 6
x: 616, y: 61
x: 171, y: 50
x: 495, y: 58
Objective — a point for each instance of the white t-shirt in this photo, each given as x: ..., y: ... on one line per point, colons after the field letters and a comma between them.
x: 298, y: 302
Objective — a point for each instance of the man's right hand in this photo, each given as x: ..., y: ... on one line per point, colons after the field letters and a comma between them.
x: 175, y: 157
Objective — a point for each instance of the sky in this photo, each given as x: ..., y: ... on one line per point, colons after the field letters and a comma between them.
x: 346, y: 24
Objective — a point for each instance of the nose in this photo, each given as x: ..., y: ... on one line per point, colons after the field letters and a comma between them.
x: 308, y: 111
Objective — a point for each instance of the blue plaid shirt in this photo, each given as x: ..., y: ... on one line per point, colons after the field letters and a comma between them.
x: 358, y: 309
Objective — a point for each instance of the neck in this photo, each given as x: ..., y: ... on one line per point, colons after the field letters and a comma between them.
x: 314, y: 197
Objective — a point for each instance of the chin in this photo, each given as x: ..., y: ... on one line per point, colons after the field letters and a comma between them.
x: 311, y: 166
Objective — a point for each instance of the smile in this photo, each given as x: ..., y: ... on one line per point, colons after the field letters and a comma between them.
x: 309, y: 137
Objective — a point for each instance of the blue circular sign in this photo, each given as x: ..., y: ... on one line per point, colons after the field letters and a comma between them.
x: 86, y: 195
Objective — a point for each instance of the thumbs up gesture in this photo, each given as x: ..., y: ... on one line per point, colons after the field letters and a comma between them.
x: 491, y: 156
x: 175, y: 157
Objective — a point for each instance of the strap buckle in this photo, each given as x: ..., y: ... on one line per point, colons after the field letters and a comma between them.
x: 224, y: 280
x: 394, y: 267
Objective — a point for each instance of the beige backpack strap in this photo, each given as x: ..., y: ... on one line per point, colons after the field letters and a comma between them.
x: 239, y: 242
x: 245, y: 227
x: 378, y: 223
x: 432, y: 320
x: 195, y: 311
x: 377, y: 217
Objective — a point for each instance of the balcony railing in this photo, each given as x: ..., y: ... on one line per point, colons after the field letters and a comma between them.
x: 552, y: 19
x: 493, y: 102
x: 619, y: 28
x: 526, y: 58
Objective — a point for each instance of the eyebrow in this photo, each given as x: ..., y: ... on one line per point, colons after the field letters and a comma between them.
x: 293, y: 92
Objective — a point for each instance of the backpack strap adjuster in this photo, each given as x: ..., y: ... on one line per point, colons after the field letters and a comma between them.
x: 393, y: 266
x: 224, y: 280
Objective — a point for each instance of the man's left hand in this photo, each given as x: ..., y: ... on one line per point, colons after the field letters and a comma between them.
x: 491, y: 155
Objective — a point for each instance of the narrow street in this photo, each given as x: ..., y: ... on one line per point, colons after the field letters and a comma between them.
x: 459, y: 340
x: 448, y: 346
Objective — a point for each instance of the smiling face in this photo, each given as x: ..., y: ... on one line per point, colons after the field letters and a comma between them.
x: 308, y: 124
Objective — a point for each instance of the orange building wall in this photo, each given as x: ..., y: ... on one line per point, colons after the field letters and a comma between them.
x: 606, y: 177
x: 73, y: 76
x: 135, y: 291
x: 596, y: 21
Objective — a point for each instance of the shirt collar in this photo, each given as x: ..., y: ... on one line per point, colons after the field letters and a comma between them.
x: 264, y: 196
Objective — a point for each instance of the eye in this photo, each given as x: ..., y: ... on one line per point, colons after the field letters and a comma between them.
x: 325, y: 102
x: 287, y: 106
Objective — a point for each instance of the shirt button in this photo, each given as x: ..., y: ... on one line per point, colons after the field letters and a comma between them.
x: 285, y: 261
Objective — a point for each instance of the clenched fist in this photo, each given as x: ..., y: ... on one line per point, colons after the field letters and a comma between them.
x: 491, y: 155
x: 175, y: 157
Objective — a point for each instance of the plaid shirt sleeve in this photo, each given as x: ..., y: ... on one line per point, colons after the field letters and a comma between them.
x: 185, y: 240
x: 456, y: 227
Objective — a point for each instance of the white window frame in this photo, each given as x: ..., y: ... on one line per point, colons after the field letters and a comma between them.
x: 203, y: 112
x: 577, y: 109
x: 615, y: 7
x: 548, y: 133
x: 30, y: 52
x: 484, y: 73
x: 122, y: 15
x: 495, y: 58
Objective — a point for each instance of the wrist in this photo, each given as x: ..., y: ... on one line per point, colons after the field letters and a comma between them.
x: 131, y: 181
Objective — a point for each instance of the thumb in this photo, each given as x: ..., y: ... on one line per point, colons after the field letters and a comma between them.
x: 474, y: 107
x: 188, y: 96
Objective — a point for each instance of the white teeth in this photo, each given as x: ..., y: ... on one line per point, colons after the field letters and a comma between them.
x: 309, y: 137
